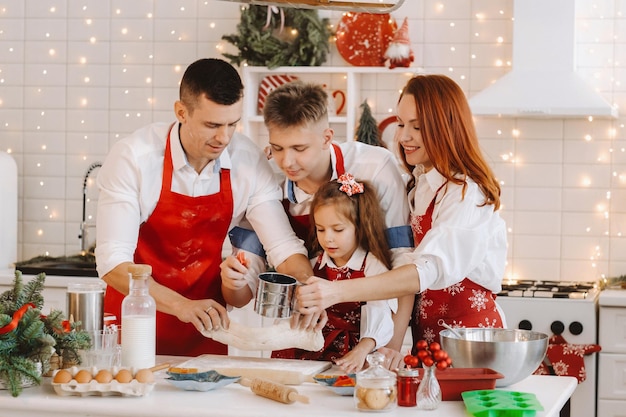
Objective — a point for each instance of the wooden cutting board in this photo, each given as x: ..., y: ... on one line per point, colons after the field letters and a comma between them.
x: 284, y: 371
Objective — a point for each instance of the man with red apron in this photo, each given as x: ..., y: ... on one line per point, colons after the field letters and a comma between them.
x: 168, y: 196
x: 186, y: 259
x: 465, y: 304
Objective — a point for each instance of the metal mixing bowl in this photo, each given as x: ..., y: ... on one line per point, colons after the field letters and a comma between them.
x: 514, y: 353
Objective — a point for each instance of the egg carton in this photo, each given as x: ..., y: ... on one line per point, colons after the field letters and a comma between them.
x: 128, y: 389
x: 133, y: 388
x: 498, y: 403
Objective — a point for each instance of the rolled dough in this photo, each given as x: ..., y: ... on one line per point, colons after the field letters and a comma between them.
x: 276, y: 337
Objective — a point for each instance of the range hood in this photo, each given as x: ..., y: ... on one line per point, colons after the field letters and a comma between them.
x: 543, y: 81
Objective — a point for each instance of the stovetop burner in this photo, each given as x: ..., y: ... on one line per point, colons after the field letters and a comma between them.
x: 549, y: 289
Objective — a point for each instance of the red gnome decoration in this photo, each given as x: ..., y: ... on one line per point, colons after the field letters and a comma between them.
x: 399, y: 51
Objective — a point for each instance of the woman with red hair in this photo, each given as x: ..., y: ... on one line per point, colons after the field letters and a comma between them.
x: 459, y: 258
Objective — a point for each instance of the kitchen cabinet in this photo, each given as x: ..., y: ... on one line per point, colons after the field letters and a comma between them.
x: 612, y: 358
x: 380, y: 86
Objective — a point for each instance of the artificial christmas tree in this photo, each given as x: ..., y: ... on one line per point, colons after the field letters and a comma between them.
x: 368, y: 132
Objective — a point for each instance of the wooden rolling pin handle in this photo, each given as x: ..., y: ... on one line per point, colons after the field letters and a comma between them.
x: 159, y: 367
x: 294, y: 396
x: 273, y: 390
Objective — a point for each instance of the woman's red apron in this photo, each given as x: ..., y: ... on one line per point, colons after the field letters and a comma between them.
x: 342, y: 332
x: 302, y: 224
x: 465, y: 304
x: 182, y: 241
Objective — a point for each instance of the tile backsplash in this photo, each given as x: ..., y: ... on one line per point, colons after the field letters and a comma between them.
x: 77, y: 75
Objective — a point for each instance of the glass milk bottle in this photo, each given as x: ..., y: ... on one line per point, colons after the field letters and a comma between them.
x: 138, y: 320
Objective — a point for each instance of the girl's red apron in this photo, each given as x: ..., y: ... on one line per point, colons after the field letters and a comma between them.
x: 465, y: 304
x: 302, y: 224
x: 343, y: 329
x: 182, y: 241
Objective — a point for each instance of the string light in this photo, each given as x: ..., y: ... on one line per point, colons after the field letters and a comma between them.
x: 142, y: 75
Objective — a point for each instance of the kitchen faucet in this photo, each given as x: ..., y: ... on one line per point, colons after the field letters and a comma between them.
x: 84, y: 226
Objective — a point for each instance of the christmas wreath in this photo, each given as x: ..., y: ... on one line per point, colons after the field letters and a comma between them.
x: 273, y: 37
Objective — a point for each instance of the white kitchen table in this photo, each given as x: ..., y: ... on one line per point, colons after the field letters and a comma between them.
x: 235, y: 400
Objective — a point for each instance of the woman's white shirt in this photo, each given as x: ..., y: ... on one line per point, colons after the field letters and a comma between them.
x: 465, y: 240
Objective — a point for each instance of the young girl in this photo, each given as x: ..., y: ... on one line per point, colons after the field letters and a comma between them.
x: 350, y: 240
x: 460, y: 255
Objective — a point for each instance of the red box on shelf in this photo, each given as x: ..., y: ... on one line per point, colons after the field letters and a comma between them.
x: 454, y: 381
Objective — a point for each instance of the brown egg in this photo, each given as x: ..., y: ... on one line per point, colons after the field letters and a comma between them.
x: 63, y: 376
x: 103, y: 376
x: 83, y: 376
x: 124, y: 376
x: 144, y: 376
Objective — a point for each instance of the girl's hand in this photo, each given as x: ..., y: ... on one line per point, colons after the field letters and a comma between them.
x: 393, y: 358
x: 353, y: 361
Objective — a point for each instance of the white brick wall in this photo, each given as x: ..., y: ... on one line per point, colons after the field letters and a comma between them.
x: 76, y: 75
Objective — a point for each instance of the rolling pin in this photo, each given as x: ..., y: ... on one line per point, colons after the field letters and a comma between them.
x: 273, y: 390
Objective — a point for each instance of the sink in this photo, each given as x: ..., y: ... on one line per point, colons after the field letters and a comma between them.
x: 73, y: 266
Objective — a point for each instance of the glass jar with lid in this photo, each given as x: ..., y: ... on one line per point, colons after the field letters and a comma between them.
x: 408, y: 382
x: 375, y: 388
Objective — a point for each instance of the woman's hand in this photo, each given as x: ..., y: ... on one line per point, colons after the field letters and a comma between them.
x: 317, y: 295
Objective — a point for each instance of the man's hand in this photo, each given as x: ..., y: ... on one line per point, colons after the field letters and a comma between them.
x: 233, y: 273
x: 203, y: 314
x: 313, y: 322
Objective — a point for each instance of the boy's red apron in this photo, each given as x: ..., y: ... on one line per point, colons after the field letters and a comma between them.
x: 182, y: 240
x: 343, y: 329
x: 301, y: 225
x: 465, y: 304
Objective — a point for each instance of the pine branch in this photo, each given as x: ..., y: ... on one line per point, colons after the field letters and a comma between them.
x: 15, y: 371
x: 33, y: 292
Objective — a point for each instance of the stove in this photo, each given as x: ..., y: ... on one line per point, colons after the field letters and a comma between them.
x: 550, y: 289
x: 558, y: 307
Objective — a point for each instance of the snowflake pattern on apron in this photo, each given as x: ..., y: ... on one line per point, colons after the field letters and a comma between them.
x: 464, y: 304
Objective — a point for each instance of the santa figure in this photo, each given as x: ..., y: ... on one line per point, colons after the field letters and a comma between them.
x: 399, y: 52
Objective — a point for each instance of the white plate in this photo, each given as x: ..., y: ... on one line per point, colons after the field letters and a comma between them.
x: 328, y: 381
x: 200, y: 381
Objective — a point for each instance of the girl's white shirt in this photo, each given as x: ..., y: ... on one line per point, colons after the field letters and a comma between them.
x: 376, y: 316
x: 466, y: 239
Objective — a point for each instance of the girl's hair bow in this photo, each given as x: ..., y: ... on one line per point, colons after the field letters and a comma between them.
x: 349, y: 184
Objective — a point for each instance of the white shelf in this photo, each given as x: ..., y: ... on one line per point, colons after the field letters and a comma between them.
x: 379, y: 85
